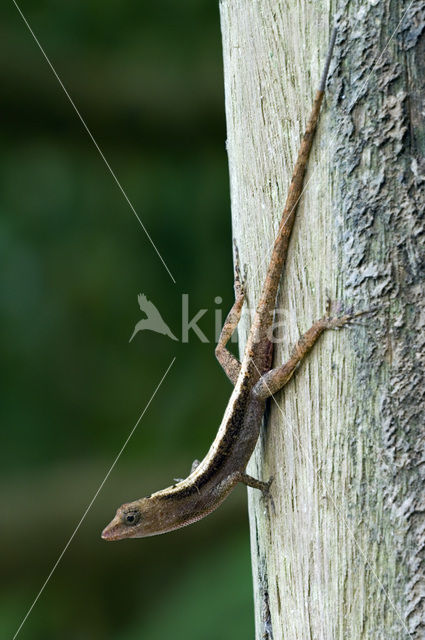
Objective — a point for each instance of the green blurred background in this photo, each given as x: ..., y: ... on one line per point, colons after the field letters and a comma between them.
x: 147, y: 78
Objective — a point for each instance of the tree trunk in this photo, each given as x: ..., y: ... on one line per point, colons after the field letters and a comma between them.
x: 342, y: 555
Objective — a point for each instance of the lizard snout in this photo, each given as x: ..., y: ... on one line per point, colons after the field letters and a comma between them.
x: 112, y: 530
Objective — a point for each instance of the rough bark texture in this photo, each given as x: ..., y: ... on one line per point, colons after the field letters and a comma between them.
x: 343, y: 554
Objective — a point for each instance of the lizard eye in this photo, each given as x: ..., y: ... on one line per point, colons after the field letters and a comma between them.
x: 131, y: 517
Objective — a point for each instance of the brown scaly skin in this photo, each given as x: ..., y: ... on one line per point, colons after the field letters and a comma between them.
x: 213, y: 479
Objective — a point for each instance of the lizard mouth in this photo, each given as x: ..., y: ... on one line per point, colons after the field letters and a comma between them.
x: 112, y: 531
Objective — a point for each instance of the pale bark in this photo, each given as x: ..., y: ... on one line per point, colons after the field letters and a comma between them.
x: 343, y: 554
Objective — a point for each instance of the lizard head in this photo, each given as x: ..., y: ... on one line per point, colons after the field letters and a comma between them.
x: 132, y: 520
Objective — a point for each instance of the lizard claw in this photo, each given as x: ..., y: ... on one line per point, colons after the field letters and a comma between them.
x: 337, y: 322
x: 239, y: 278
x: 266, y: 493
x: 328, y: 306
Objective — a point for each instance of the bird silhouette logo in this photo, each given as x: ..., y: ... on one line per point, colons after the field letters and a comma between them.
x: 153, y: 321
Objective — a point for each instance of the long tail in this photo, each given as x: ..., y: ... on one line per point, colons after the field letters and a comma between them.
x: 280, y: 248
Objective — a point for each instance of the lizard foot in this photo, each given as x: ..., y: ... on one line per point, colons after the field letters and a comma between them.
x: 336, y: 322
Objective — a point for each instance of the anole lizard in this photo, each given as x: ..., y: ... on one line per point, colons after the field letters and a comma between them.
x: 211, y: 480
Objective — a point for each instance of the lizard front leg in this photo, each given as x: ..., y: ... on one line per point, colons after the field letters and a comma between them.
x: 275, y: 379
x: 228, y: 483
x: 228, y: 361
x: 195, y: 465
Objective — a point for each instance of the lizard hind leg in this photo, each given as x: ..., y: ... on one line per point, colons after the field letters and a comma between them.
x: 228, y: 361
x: 275, y: 379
